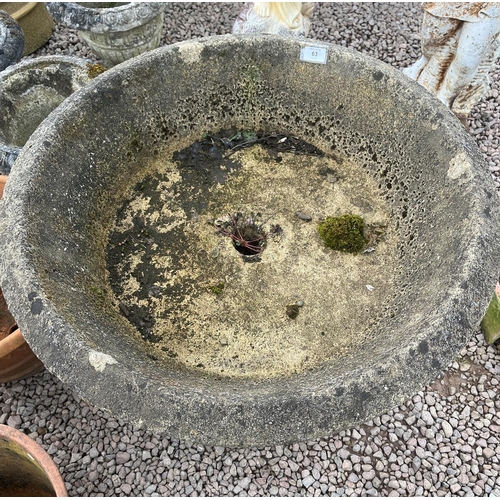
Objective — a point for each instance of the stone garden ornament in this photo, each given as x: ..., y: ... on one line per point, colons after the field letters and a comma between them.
x: 11, y: 41
x: 34, y: 20
x: 460, y: 43
x: 279, y: 18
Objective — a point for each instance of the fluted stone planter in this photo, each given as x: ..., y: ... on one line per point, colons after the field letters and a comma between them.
x: 11, y: 41
x: 29, y: 91
x: 114, y: 32
x: 207, y: 345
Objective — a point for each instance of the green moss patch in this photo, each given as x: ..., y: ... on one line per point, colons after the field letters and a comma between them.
x: 344, y: 233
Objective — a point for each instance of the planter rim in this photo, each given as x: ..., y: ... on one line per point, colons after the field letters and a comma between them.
x: 14, y: 344
x: 39, y: 455
x: 41, y: 61
x: 105, y: 20
x: 311, y: 403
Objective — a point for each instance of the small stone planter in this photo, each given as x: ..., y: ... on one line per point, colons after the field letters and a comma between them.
x: 115, y: 32
x: 11, y: 41
x: 29, y: 91
x: 26, y: 470
x: 125, y: 270
x: 35, y: 21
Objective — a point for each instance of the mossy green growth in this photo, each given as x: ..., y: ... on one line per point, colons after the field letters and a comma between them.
x: 344, y: 233
x: 218, y: 288
x: 491, y: 321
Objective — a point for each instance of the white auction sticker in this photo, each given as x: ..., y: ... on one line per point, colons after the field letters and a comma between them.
x: 314, y: 54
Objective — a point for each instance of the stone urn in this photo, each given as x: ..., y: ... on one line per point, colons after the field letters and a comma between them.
x: 35, y: 21
x: 11, y: 41
x: 162, y: 253
x: 26, y: 470
x: 114, y: 31
x: 29, y: 91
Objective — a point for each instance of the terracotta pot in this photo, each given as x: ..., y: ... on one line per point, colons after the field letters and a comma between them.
x: 17, y: 360
x: 35, y: 21
x: 25, y: 467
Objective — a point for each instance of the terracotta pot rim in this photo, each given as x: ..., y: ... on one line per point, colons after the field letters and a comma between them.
x: 40, y: 456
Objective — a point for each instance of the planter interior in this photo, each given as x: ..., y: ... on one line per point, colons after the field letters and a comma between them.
x: 128, y: 293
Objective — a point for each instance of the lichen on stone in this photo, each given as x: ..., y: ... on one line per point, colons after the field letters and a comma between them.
x: 344, y: 233
x: 94, y: 70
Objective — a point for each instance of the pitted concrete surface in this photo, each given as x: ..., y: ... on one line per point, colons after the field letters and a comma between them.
x: 441, y: 440
x: 107, y: 137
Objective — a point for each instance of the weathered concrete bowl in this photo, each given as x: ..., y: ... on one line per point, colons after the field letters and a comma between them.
x: 29, y: 91
x: 391, y: 319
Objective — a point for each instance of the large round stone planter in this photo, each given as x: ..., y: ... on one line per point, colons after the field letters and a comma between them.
x: 114, y: 33
x: 29, y: 91
x: 235, y: 366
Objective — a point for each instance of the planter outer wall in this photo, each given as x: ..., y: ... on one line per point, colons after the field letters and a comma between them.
x: 95, y: 147
x: 18, y: 362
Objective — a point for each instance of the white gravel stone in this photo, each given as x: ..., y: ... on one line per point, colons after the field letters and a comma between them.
x: 447, y: 429
x: 369, y: 475
x: 308, y: 481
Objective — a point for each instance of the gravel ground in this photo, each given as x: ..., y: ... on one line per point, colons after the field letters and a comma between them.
x: 444, y: 441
